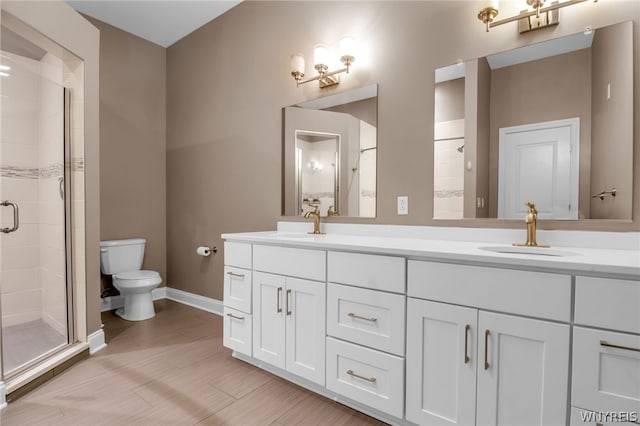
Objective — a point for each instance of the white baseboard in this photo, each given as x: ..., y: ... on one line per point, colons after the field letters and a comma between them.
x: 3, y: 395
x: 208, y: 304
x: 96, y: 341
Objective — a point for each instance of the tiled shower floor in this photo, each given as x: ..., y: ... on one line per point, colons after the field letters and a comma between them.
x: 24, y: 342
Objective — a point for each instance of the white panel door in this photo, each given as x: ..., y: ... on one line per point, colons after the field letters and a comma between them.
x: 539, y: 163
x: 441, y: 363
x: 268, y: 327
x: 523, y: 371
x: 305, y: 328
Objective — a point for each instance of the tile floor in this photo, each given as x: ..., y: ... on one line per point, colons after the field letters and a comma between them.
x: 172, y: 370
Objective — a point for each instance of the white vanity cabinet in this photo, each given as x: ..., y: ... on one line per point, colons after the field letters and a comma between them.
x: 289, y: 312
x: 238, y: 322
x: 606, y: 349
x: 421, y: 332
x: 366, y: 329
x: 518, y: 366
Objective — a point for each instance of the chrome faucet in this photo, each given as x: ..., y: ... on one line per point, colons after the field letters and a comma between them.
x: 316, y: 220
x: 531, y: 220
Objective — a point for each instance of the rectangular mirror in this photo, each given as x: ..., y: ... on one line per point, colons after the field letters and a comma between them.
x: 551, y: 123
x: 329, y: 149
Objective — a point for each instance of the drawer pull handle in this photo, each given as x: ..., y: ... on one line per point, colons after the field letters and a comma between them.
x: 610, y: 345
x: 368, y: 379
x: 352, y: 315
x: 466, y: 343
x: 233, y: 274
x: 235, y: 317
x: 288, y: 303
x: 486, y: 349
x: 278, y: 297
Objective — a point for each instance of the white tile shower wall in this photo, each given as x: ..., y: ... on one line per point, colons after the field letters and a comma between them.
x: 52, y: 219
x: 33, y: 259
x: 448, y: 173
x: 19, y: 268
x: 367, y: 170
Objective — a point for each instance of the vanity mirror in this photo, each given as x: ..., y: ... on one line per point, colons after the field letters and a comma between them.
x: 329, y: 150
x: 550, y: 122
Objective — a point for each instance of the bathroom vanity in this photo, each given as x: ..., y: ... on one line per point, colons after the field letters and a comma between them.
x: 442, y: 325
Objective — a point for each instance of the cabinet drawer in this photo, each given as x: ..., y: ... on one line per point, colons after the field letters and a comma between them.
x: 535, y: 294
x: 373, y: 378
x: 237, y: 254
x: 368, y: 317
x: 237, y: 289
x: 295, y: 262
x: 608, y: 303
x: 580, y: 417
x: 237, y: 331
x: 367, y: 270
x: 606, y: 378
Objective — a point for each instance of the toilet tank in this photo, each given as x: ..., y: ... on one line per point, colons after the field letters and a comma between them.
x: 118, y: 256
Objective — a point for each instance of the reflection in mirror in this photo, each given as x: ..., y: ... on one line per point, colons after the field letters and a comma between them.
x: 330, y: 147
x: 551, y: 122
x: 317, y: 170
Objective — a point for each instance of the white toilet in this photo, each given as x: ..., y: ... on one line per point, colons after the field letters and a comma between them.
x: 123, y: 259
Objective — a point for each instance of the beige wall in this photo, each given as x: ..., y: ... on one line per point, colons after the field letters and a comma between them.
x: 449, y: 100
x: 611, y: 156
x: 59, y: 22
x: 517, y: 99
x: 228, y: 81
x: 133, y: 142
x: 365, y: 110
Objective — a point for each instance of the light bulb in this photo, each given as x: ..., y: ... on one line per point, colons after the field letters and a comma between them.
x: 347, y: 46
x: 297, y: 63
x: 320, y: 55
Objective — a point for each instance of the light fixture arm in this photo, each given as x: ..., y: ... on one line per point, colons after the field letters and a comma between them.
x: 487, y: 18
x: 323, y: 74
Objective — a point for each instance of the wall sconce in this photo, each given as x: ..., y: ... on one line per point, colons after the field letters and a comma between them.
x: 320, y: 59
x: 528, y: 20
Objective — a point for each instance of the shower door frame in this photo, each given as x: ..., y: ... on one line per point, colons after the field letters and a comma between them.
x: 11, y: 380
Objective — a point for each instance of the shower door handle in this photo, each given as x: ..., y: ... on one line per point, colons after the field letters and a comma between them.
x: 61, y: 187
x: 16, y: 217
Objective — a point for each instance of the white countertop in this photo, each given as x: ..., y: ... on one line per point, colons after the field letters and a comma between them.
x: 615, y: 263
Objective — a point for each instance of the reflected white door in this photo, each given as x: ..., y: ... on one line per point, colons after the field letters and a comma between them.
x: 539, y: 162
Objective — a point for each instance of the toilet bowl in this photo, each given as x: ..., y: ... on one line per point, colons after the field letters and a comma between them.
x: 122, y: 259
x: 136, y: 287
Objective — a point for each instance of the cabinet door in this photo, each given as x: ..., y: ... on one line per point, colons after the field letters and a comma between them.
x: 305, y: 329
x: 268, y: 326
x: 441, y: 363
x: 523, y: 372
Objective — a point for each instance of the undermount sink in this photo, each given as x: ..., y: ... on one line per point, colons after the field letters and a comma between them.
x: 296, y: 235
x: 536, y: 251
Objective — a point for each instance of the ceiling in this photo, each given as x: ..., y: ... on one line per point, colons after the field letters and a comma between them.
x: 161, y: 22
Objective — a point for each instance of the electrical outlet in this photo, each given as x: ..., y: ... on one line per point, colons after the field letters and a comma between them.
x: 403, y: 205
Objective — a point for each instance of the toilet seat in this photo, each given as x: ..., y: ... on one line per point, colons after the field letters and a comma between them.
x: 136, y: 279
x: 137, y: 275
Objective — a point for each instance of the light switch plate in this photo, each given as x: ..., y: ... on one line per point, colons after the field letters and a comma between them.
x: 403, y: 205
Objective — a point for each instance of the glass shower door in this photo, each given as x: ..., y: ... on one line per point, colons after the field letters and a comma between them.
x: 33, y: 253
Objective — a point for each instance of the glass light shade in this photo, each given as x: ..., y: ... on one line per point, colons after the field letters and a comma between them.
x: 347, y: 46
x: 320, y: 55
x: 490, y: 3
x: 297, y: 63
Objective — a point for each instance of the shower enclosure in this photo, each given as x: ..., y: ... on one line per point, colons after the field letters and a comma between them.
x: 36, y: 167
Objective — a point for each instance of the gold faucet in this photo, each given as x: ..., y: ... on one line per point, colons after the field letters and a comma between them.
x: 332, y: 211
x: 531, y: 221
x: 316, y: 220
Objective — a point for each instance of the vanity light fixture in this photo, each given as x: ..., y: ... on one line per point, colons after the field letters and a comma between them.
x: 528, y: 20
x: 321, y: 59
